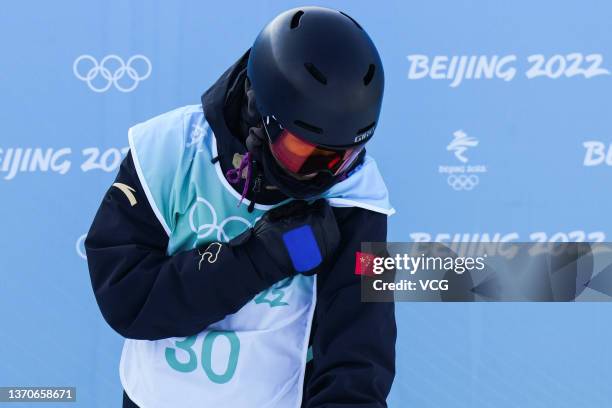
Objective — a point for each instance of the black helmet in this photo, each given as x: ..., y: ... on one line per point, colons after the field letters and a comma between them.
x: 317, y: 72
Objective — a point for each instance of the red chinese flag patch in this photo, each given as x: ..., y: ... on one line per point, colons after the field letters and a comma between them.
x: 364, y: 264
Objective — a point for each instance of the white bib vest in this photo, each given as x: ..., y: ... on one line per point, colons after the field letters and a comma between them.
x: 255, y: 357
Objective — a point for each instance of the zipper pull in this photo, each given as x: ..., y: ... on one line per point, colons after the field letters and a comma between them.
x: 258, y: 178
x: 257, y: 184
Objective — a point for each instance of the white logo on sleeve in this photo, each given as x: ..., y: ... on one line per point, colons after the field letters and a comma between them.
x: 210, y: 254
x: 128, y: 191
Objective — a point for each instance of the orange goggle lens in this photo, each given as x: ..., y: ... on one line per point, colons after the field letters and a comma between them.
x: 303, y: 158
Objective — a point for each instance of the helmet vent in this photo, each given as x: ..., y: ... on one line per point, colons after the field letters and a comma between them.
x: 369, y: 75
x: 318, y: 75
x: 308, y: 126
x: 365, y: 129
x: 351, y: 18
x: 295, y: 20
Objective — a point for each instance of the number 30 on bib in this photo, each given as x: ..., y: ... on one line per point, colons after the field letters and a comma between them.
x: 186, y: 348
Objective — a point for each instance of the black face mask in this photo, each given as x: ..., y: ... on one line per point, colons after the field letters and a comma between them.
x: 257, y: 144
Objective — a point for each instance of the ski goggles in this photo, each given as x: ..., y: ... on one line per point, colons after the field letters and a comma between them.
x: 304, y: 158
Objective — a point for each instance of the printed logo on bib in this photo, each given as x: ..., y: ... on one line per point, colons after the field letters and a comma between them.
x: 186, y: 348
x: 203, y: 221
x: 274, y: 295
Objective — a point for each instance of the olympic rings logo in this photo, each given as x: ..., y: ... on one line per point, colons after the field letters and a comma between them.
x: 112, y: 78
x: 205, y: 230
x: 463, y: 182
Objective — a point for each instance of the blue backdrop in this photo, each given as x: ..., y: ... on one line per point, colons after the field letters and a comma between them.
x: 496, y: 125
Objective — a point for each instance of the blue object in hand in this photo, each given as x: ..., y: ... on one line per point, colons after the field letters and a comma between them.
x: 302, y: 248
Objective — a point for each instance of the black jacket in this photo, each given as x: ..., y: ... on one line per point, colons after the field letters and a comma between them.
x: 145, y: 294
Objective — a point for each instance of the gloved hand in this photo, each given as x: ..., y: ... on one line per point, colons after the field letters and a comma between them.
x: 298, y: 237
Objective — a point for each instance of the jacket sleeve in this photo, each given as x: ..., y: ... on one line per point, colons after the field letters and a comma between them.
x: 353, y: 343
x: 142, y: 292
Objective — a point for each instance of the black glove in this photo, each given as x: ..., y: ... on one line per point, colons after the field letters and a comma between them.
x: 298, y: 237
